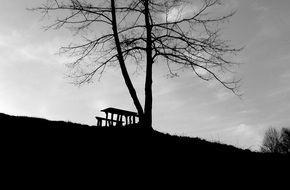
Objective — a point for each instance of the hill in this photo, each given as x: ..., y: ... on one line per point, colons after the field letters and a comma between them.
x: 53, y: 137
x: 38, y: 150
x: 124, y: 134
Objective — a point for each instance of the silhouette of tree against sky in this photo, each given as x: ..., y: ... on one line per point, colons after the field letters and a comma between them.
x: 276, y: 141
x: 181, y: 34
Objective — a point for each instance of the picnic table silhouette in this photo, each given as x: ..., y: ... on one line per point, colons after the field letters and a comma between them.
x: 116, y: 117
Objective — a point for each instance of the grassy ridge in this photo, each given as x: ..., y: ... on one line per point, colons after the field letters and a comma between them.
x: 48, y: 147
x: 112, y: 134
x: 118, y: 142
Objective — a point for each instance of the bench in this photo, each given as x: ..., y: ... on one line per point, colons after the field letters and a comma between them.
x: 129, y: 116
x: 116, y: 117
x: 109, y: 122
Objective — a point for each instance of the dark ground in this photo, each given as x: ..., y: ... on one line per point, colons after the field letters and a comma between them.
x: 27, y: 141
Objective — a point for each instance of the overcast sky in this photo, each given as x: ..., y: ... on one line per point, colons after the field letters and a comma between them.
x: 33, y: 83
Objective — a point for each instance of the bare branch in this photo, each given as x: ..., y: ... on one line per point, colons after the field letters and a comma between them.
x: 144, y: 32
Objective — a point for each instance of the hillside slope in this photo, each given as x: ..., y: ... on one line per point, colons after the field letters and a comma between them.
x: 119, y: 142
x: 28, y: 124
x: 56, y: 149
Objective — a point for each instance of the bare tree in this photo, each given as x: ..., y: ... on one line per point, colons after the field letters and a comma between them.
x: 285, y: 140
x: 178, y: 33
x: 276, y: 141
x: 271, y: 141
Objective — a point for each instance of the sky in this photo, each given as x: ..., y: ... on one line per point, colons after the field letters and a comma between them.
x: 33, y: 82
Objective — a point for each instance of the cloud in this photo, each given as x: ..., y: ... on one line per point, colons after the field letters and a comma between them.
x: 224, y: 95
x: 21, y: 45
x: 174, y: 14
x: 201, y: 71
x: 180, y: 12
x: 279, y: 92
x: 190, y: 8
x: 285, y: 75
x: 249, y: 135
x: 30, y: 73
x: 258, y: 6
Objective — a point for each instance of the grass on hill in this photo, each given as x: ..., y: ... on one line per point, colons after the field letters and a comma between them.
x: 42, y: 134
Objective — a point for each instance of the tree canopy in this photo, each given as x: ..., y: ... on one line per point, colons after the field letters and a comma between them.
x: 182, y: 34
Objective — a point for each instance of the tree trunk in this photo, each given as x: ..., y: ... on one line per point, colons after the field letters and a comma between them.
x: 148, y: 82
x: 125, y: 74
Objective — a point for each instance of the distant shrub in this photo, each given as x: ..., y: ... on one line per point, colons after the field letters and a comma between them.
x: 285, y: 140
x: 276, y: 141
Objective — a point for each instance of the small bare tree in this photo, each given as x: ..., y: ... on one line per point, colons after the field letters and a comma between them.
x: 271, y: 141
x: 285, y: 140
x: 276, y: 142
x: 181, y: 33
